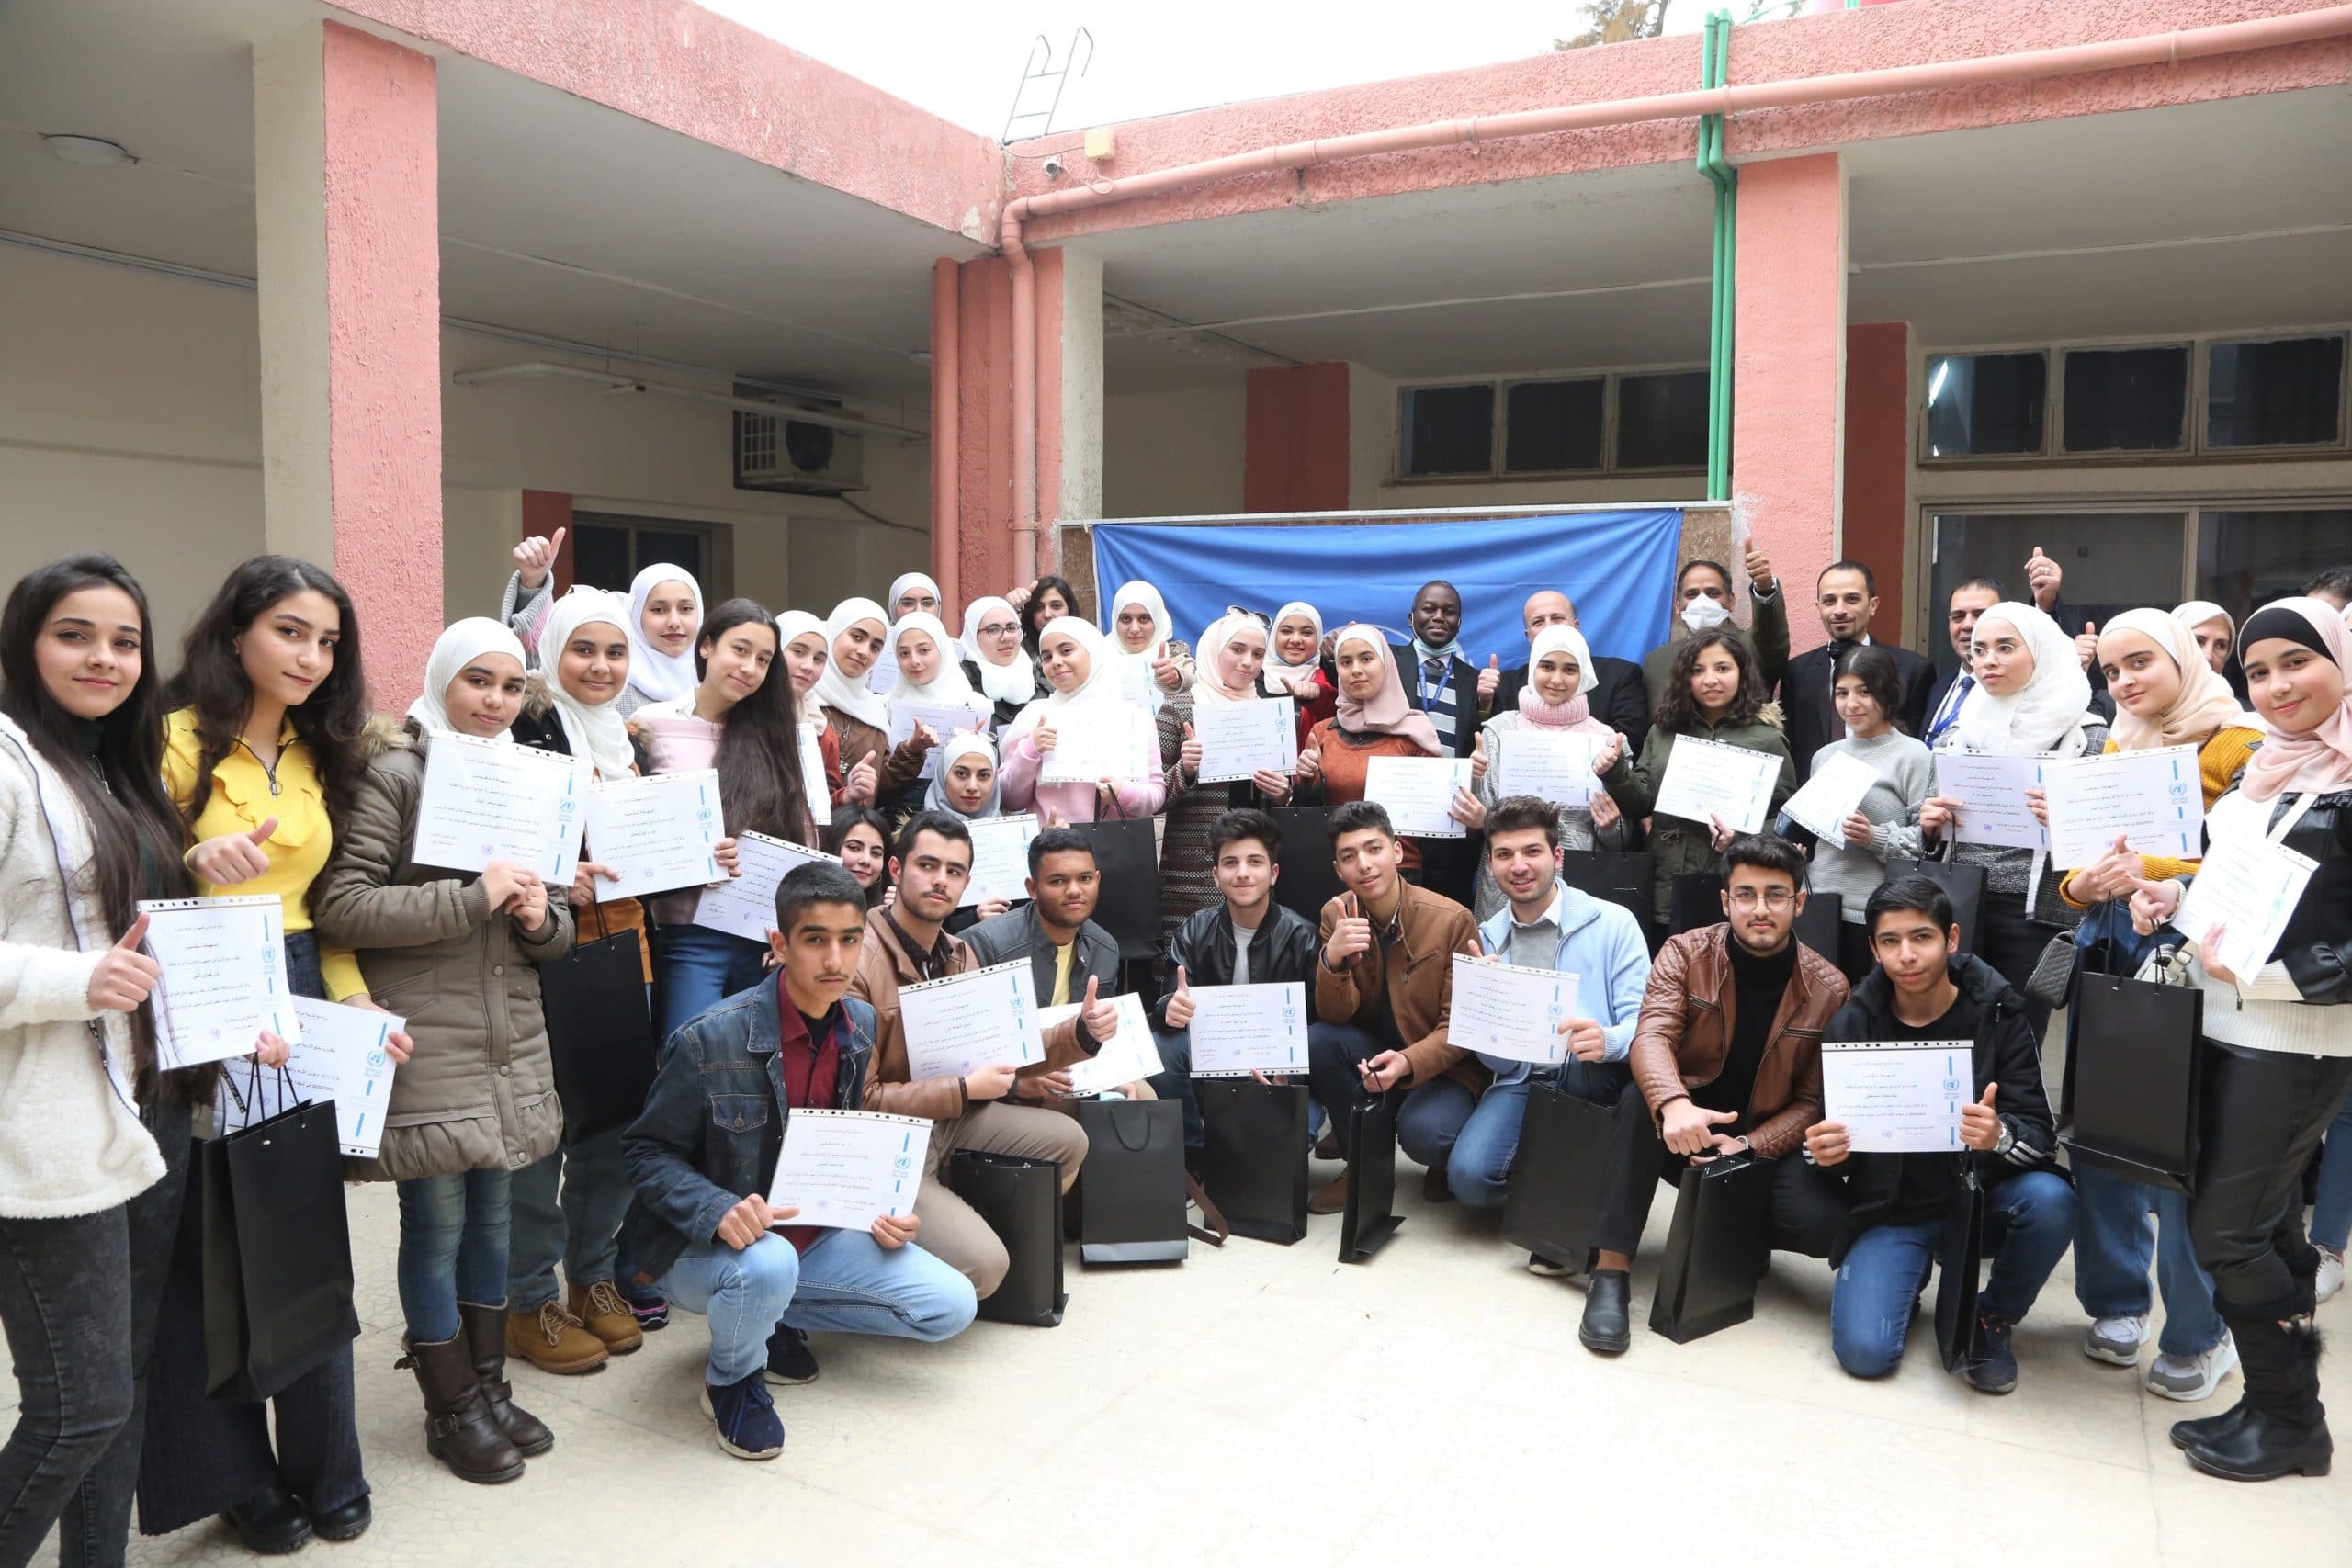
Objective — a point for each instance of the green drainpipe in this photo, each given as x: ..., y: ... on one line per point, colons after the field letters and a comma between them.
x: 1714, y: 60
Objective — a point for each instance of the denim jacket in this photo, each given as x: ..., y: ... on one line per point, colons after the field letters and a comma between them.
x: 1598, y: 942
x: 713, y: 1124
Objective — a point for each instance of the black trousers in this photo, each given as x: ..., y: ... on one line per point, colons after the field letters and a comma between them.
x: 2264, y: 1114
x: 2011, y: 942
x: 1808, y: 1206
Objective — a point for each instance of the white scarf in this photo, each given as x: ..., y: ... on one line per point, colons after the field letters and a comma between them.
x: 1130, y: 677
x: 790, y: 627
x: 2047, y: 714
x: 835, y: 692
x: 459, y: 645
x: 947, y: 687
x: 1014, y: 681
x: 659, y: 677
x: 1212, y: 685
x: 591, y: 731
x: 1099, y: 690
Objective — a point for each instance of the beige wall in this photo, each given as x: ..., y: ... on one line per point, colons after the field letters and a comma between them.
x: 130, y: 422
x: 1174, y: 454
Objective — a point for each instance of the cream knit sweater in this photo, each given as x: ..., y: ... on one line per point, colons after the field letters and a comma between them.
x: 67, y: 1145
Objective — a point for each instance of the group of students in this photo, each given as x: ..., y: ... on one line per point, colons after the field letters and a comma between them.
x: 258, y: 767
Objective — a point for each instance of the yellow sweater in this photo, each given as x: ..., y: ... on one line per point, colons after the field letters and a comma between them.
x: 2218, y: 761
x: 243, y: 797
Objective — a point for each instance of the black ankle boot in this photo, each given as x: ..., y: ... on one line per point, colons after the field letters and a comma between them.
x: 2283, y: 1429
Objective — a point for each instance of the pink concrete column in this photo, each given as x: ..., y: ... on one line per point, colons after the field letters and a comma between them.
x: 1877, y: 512
x: 348, y: 214
x: 1789, y: 369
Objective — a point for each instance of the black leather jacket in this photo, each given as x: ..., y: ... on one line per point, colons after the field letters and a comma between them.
x: 1282, y: 949
x: 2316, y: 947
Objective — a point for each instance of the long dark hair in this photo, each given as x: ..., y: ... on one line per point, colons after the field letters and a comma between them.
x: 1677, y: 711
x: 1029, y: 623
x: 133, y: 828
x: 758, y: 748
x: 1874, y: 668
x: 212, y: 680
x: 848, y: 815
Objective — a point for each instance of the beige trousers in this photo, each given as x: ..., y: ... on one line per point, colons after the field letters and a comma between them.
x: 952, y: 1232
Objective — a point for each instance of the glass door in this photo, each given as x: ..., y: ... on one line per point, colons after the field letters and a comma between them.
x: 2112, y: 561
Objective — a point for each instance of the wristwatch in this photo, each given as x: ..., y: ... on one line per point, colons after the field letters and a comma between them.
x: 2008, y: 1140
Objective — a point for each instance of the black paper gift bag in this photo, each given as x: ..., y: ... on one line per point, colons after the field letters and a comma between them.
x: 599, y: 1033
x: 1624, y: 878
x: 1134, y: 1183
x: 1253, y: 1163
x: 1716, y: 1250
x: 1021, y: 1201
x: 1370, y: 1218
x: 1126, y: 854
x: 1309, y: 880
x: 1555, y: 1178
x: 2139, y: 1079
x: 1963, y: 882
x: 277, y: 1292
x: 1960, y: 1263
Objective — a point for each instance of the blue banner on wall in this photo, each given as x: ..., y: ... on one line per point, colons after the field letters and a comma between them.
x: 1617, y: 566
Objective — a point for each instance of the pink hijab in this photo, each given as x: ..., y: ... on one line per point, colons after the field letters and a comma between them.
x: 1390, y: 712
x: 2320, y: 759
x: 1575, y: 716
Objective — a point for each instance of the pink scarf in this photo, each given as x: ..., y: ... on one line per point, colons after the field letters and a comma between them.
x: 1575, y: 716
x: 2320, y: 759
x: 1389, y: 712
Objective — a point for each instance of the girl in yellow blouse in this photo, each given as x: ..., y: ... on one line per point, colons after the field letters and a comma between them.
x: 2166, y: 694
x: 262, y: 755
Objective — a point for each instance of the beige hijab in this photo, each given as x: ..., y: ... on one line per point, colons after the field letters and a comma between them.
x: 2205, y: 702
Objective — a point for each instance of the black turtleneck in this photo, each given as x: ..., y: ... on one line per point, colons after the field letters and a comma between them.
x: 1757, y: 984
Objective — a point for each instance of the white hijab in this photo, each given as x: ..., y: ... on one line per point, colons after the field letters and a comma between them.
x: 790, y: 627
x: 1099, y: 689
x: 1211, y: 685
x: 594, y: 731
x: 1015, y: 679
x: 660, y: 677
x: 1145, y: 594
x: 836, y: 692
x: 2047, y: 714
x: 907, y: 579
x: 459, y: 645
x: 947, y: 687
x: 1271, y: 679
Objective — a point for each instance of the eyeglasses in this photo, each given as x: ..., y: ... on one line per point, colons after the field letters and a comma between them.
x: 1774, y: 898
x: 1001, y: 628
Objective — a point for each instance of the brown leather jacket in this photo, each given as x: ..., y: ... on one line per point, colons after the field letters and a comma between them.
x: 882, y: 968
x: 1418, y: 984
x: 1686, y: 1027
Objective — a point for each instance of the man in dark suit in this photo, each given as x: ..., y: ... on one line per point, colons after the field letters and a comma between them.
x: 1438, y: 680
x: 2044, y: 579
x: 1617, y: 698
x: 1847, y: 596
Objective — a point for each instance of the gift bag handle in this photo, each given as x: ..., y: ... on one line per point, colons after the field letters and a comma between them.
x: 1119, y: 1119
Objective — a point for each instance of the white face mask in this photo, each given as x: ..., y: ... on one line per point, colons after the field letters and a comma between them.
x: 1703, y: 613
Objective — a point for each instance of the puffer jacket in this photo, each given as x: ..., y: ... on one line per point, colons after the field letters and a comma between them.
x: 1677, y: 846
x: 479, y: 1092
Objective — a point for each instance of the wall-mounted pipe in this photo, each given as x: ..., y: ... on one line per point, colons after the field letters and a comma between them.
x: 539, y: 369
x: 2155, y: 49
x: 946, y: 445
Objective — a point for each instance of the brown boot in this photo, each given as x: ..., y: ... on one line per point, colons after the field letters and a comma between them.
x: 486, y: 1335
x: 1331, y: 1198
x: 599, y: 1307
x: 554, y: 1340
x: 459, y: 1429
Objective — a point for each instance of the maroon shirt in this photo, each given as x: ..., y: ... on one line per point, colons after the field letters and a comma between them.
x: 812, y: 1070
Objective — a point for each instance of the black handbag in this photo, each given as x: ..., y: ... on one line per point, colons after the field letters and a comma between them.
x: 1370, y: 1218
x: 1818, y: 922
x: 1624, y: 878
x: 1021, y: 1201
x: 1126, y: 854
x: 1553, y: 1204
x: 1960, y: 1265
x: 1694, y: 901
x: 599, y: 1033
x: 1253, y: 1161
x: 1309, y: 880
x: 1963, y: 883
x: 1716, y: 1250
x: 277, y: 1285
x: 1133, y: 1182
x: 2139, y: 1077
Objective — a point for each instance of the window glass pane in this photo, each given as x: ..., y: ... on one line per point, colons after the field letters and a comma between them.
x: 2113, y: 561
x: 1985, y: 405
x: 2275, y: 394
x: 2126, y: 399
x: 1552, y: 424
x: 1662, y: 421
x: 677, y: 548
x: 600, y: 557
x: 1448, y: 430
x: 2244, y: 560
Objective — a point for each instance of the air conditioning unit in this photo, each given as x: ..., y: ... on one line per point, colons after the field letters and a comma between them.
x: 776, y: 452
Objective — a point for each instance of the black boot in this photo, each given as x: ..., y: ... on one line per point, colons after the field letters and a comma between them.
x: 486, y: 1338
x: 2283, y: 1429
x: 1607, y: 1328
x: 458, y: 1430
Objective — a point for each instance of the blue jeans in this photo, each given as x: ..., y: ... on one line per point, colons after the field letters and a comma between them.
x: 2332, y: 1215
x: 453, y: 1249
x: 698, y: 968
x: 847, y: 1281
x: 577, y: 1225
x: 2111, y: 1250
x: 2029, y: 1219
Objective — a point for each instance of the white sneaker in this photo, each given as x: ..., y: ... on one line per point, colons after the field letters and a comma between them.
x: 2188, y: 1377
x: 2118, y: 1341
x: 2331, y: 1273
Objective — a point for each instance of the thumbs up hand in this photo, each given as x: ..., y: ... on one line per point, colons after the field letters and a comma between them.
x: 2086, y: 645
x: 1490, y: 679
x: 1099, y: 1014
x: 1979, y: 1125
x: 535, y: 556
x: 859, y: 785
x: 1179, y: 1005
x: 2043, y: 576
x: 1188, y: 756
x: 1478, y: 758
x: 234, y: 857
x: 124, y: 976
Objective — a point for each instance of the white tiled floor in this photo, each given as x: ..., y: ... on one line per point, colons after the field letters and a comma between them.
x: 1268, y: 1404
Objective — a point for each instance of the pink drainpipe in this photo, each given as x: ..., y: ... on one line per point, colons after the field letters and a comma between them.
x: 946, y: 366
x: 2157, y: 49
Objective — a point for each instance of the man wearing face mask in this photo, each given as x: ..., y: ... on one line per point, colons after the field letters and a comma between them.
x: 1703, y: 602
x: 1617, y: 698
